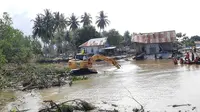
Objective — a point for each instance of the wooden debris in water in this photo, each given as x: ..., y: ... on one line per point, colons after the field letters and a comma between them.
x: 68, y: 106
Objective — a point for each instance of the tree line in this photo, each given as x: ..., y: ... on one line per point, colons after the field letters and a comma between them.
x: 55, y: 31
x: 66, y: 33
x: 184, y: 40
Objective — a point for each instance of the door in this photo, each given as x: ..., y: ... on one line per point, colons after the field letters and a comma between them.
x: 152, y: 50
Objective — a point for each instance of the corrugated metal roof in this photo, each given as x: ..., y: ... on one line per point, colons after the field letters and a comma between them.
x: 94, y: 42
x: 154, y: 37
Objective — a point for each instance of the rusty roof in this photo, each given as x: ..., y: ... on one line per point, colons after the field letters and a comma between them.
x: 95, y: 42
x: 155, y: 37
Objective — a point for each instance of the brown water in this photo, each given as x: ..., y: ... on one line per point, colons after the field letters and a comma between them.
x: 154, y: 83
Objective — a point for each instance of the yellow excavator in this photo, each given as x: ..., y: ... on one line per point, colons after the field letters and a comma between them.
x: 82, y: 64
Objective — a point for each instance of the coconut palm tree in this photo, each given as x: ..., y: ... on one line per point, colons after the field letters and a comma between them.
x: 43, y: 26
x: 48, y: 24
x: 86, y: 19
x: 60, y: 23
x: 73, y: 22
x: 38, y: 26
x: 102, y: 20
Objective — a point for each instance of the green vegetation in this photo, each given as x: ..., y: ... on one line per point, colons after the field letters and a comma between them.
x: 53, y: 35
x: 73, y: 22
x: 114, y: 38
x: 31, y: 76
x: 84, y: 34
x: 68, y: 106
x: 127, y: 38
x: 102, y: 20
x: 186, y: 41
x: 86, y: 19
x: 54, y: 29
x: 14, y: 46
x: 76, y: 78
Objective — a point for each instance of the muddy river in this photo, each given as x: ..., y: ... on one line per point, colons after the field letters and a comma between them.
x: 154, y: 83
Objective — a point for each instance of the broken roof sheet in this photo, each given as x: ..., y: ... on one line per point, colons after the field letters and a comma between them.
x: 94, y: 42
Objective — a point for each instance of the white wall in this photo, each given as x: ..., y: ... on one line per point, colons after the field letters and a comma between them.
x: 96, y: 49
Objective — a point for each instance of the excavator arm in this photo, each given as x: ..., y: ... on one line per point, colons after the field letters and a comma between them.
x: 80, y: 64
x: 107, y: 59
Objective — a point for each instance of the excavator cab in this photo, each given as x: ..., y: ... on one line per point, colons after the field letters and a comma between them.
x: 81, y: 56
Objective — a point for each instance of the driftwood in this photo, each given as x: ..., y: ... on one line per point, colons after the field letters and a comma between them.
x: 67, y: 106
x: 179, y: 105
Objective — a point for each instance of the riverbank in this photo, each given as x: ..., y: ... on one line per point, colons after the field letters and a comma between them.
x: 30, y: 76
x: 30, y: 101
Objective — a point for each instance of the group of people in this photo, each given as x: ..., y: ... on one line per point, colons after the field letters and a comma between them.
x: 187, y: 56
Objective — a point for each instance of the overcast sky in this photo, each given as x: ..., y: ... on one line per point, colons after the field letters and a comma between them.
x: 132, y: 15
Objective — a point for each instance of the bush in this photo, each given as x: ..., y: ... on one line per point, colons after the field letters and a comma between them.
x: 14, y: 46
x: 2, y: 59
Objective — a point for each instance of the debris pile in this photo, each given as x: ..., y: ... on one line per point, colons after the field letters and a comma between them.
x: 68, y: 106
x: 31, y: 76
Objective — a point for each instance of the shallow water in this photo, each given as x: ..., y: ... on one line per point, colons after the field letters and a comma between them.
x: 6, y: 97
x: 154, y: 83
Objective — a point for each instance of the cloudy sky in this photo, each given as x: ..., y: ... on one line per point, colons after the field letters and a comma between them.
x: 133, y: 15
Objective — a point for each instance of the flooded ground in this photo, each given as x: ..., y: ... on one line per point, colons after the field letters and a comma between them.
x: 154, y: 83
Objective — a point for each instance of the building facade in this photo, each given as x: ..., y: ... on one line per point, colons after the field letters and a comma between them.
x: 94, y: 46
x: 155, y: 42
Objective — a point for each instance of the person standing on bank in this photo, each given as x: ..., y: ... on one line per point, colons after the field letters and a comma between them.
x: 194, y: 49
x: 192, y: 56
x: 187, y: 56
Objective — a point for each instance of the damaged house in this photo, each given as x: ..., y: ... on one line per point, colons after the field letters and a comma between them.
x: 154, y: 43
x: 95, y: 45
